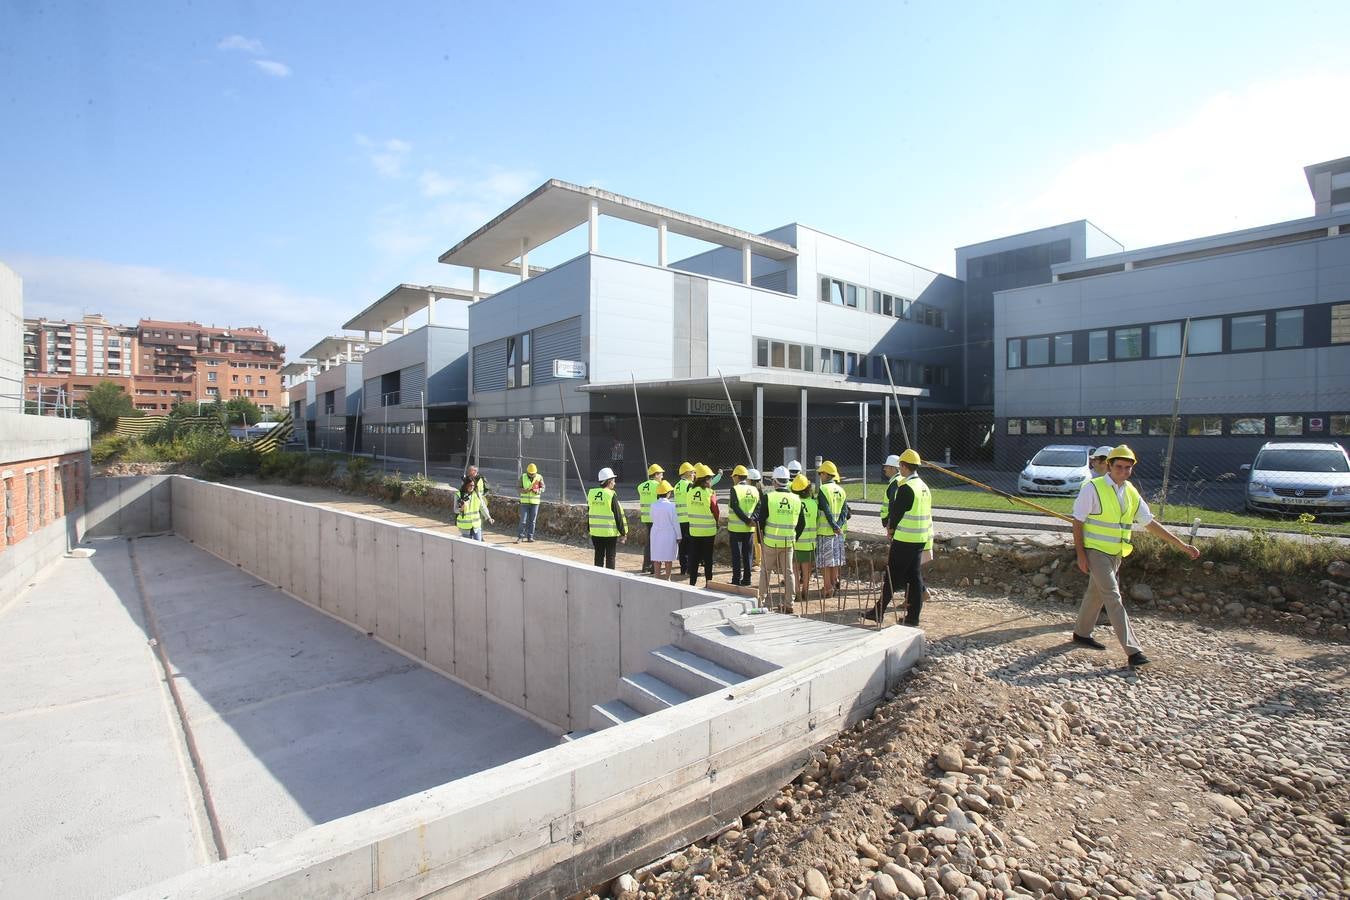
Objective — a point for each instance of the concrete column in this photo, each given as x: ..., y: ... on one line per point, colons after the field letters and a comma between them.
x: 661, y: 259
x: 801, y: 431
x: 759, y: 427
x: 594, y: 225
x: 524, y: 258
x: 476, y: 295
x: 431, y: 309
x: 405, y: 320
x: 745, y: 264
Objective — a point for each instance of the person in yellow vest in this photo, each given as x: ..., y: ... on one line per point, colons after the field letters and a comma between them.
x: 646, y: 497
x: 531, y: 488
x: 804, y: 547
x: 682, y: 510
x: 742, y: 503
x: 780, y: 511
x: 756, y: 481
x: 605, y: 516
x: 703, y: 516
x: 481, y: 488
x: 830, y: 528
x: 1105, y: 514
x: 469, y: 518
x: 907, y: 513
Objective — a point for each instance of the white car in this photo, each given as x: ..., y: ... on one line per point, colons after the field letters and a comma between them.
x: 1058, y: 470
x: 1300, y: 478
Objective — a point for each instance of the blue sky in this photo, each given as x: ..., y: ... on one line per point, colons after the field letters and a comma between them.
x: 286, y: 164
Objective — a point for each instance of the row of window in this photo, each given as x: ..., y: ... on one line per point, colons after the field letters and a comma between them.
x: 842, y: 293
x: 531, y: 427
x: 392, y: 428
x: 1276, y: 330
x: 1254, y: 425
x: 772, y: 354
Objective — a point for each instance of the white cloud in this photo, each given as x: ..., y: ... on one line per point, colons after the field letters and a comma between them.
x: 63, y: 288
x: 240, y: 43
x: 273, y: 68
x: 1236, y: 161
x: 387, y: 156
x: 434, y: 184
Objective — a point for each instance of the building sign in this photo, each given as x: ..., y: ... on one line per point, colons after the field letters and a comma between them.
x: 569, y: 368
x: 1315, y: 425
x: 699, y: 406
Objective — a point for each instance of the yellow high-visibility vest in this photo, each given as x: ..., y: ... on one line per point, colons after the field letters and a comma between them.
x: 747, y: 498
x: 527, y: 495
x: 682, y: 500
x: 916, y: 525
x: 808, y: 539
x: 833, y: 494
x: 600, y: 506
x: 1111, y: 530
x: 470, y: 516
x: 701, y: 521
x: 785, y: 508
x: 646, y: 497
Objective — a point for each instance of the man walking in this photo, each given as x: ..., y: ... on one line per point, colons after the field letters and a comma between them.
x: 531, y: 488
x: 646, y: 497
x: 907, y: 513
x: 605, y: 516
x: 1106, y: 513
x: 742, y: 504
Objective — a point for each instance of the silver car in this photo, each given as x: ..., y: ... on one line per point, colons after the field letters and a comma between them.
x: 1058, y: 470
x: 1300, y: 478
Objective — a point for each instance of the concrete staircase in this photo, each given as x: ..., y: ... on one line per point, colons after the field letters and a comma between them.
x: 690, y: 667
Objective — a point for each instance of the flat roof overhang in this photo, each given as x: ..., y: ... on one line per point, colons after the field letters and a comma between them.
x: 401, y: 302
x: 778, y: 388
x: 295, y: 369
x: 335, y: 344
x: 556, y: 207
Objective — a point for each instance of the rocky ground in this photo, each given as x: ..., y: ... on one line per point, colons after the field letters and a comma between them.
x: 1012, y: 764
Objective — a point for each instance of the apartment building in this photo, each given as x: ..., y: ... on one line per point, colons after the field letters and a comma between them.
x: 224, y: 363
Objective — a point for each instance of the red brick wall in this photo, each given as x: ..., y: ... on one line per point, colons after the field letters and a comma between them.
x: 36, y: 492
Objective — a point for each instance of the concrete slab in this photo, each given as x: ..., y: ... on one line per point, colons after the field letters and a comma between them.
x: 298, y: 719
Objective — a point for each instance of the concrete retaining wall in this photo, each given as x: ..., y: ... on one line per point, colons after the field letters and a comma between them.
x: 578, y: 814
x: 128, y: 505
x: 22, y: 562
x: 458, y: 605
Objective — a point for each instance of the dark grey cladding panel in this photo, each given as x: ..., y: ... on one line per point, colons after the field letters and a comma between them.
x: 489, y: 366
x: 412, y: 382
x: 559, y: 340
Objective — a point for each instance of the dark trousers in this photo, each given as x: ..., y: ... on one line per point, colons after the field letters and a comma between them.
x: 742, y: 555
x: 605, y: 548
x: 686, y: 548
x: 700, y: 554
x: 903, y: 571
x: 647, y: 547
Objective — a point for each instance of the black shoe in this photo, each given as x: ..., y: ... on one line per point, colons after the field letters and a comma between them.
x: 1084, y: 641
x: 873, y: 614
x: 909, y: 624
x: 1136, y: 660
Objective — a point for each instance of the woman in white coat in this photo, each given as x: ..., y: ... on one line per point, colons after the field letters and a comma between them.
x: 665, y: 533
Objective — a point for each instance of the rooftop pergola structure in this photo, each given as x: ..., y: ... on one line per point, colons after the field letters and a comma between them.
x: 402, y: 302
x: 556, y: 207
x: 337, y: 349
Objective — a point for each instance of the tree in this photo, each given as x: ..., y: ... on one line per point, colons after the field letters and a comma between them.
x: 105, y: 403
x: 242, y: 411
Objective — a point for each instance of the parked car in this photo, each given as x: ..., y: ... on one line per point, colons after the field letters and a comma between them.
x: 1300, y: 478
x: 1058, y: 470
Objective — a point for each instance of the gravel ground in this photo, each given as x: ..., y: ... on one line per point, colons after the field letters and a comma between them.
x: 1013, y: 764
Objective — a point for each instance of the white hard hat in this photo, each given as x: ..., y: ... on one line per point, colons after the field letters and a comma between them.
x: 605, y: 475
x: 753, y: 475
x: 893, y: 461
x: 780, y: 473
x: 1101, y: 451
x: 794, y: 466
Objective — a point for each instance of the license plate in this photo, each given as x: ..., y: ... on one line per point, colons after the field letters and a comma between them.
x: 1300, y: 501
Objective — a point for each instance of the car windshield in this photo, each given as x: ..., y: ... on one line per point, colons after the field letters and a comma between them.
x: 1301, y: 461
x: 1064, y: 459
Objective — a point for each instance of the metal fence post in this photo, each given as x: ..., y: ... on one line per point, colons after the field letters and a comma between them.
x: 422, y: 399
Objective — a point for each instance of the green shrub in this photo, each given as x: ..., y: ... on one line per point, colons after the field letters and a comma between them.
x: 418, y: 486
x: 107, y: 448
x: 278, y: 465
x: 358, y: 471
x: 391, y: 486
x: 141, y: 452
x: 319, y: 470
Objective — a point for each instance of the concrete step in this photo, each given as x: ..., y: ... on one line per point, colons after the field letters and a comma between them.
x: 575, y: 735
x: 615, y: 712
x: 713, y: 647
x: 693, y: 674
x: 648, y: 694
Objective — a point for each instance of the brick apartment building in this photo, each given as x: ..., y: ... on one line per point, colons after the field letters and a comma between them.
x: 158, y: 363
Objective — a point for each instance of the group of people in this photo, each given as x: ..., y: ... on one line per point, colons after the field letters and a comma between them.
x: 794, y: 526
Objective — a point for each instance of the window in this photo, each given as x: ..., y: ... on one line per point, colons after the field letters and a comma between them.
x: 1207, y: 426
x: 248, y: 379
x: 887, y: 304
x: 576, y: 424
x: 1340, y: 323
x: 1289, y: 426
x: 832, y: 291
x: 851, y: 296
x: 1015, y: 353
x: 1038, y: 426
x: 1206, y: 336
x: 1160, y: 425
x: 1164, y: 340
x: 213, y: 392
x: 1248, y: 425
x: 838, y: 357
x: 1289, y: 328
x: 210, y: 376
x: 525, y: 359
x: 777, y: 359
x: 550, y: 425
x: 1129, y: 344
x: 762, y: 352
x: 794, y: 360
x: 1064, y: 426
x: 1097, y: 346
x: 1014, y: 426
x: 1249, y: 332
x: 1097, y: 425
x: 1063, y: 350
x: 234, y: 378
x: 851, y: 364
x: 1340, y: 424
x: 1133, y: 425
x: 1038, y: 352
x: 825, y: 365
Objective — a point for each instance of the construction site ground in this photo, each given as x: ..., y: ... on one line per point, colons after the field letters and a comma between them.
x: 1014, y: 763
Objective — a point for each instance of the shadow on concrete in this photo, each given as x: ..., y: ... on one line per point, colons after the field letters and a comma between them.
x: 299, y: 719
